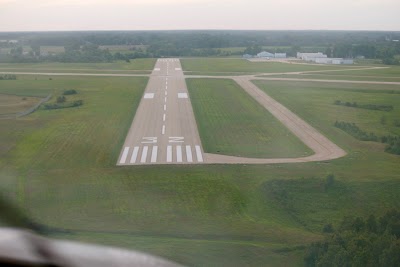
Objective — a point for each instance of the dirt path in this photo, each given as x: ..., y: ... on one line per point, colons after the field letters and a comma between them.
x: 324, y: 149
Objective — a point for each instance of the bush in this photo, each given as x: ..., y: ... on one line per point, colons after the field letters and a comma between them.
x: 76, y: 103
x: 8, y: 77
x: 365, y: 106
x: 70, y: 92
x: 61, y: 99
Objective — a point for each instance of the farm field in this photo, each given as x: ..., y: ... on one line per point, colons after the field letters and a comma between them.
x: 137, y: 66
x: 208, y: 66
x: 233, y: 123
x: 59, y: 166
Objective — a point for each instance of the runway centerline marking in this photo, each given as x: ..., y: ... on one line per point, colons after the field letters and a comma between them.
x: 165, y: 107
x: 163, y: 129
x: 165, y: 99
x: 164, y: 116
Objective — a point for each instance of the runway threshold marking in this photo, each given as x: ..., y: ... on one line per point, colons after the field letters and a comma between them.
x: 154, y: 154
x: 169, y: 153
x: 198, y: 154
x: 144, y: 154
x: 189, y: 154
x: 178, y: 154
x: 134, y: 154
x: 124, y: 155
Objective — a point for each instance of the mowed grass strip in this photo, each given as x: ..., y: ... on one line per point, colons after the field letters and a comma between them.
x: 211, y: 65
x: 143, y: 65
x: 231, y: 122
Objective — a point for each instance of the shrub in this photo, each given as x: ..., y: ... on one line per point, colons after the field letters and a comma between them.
x: 61, y: 99
x: 70, y: 92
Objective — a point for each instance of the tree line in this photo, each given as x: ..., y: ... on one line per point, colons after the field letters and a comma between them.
x: 364, y: 106
x: 392, y: 142
x: 357, y: 241
x: 84, y: 46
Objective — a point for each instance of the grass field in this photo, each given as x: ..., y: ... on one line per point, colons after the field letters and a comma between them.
x: 12, y: 104
x: 211, y: 65
x: 233, y: 123
x: 59, y: 166
x: 338, y: 76
x: 137, y: 66
x: 319, y: 97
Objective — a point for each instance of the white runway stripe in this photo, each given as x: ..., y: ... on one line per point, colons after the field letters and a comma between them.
x: 189, y: 154
x: 169, y: 153
x: 144, y: 154
x: 154, y: 154
x: 163, y: 129
x: 198, y: 154
x: 124, y: 155
x: 178, y: 154
x: 165, y: 107
x: 164, y: 117
x: 134, y: 154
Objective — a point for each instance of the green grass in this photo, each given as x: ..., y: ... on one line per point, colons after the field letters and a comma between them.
x: 211, y: 65
x: 307, y: 99
x: 59, y: 166
x: 389, y: 72
x: 337, y: 76
x: 11, y: 104
x: 232, y: 123
x: 142, y: 65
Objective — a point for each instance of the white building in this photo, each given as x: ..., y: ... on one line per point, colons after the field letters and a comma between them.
x: 310, y: 56
x: 334, y: 61
x: 280, y: 55
x: 265, y: 54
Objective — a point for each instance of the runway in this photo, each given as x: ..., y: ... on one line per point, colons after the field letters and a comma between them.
x: 164, y: 130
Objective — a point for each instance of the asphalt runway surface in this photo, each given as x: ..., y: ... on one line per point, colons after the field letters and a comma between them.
x: 164, y: 130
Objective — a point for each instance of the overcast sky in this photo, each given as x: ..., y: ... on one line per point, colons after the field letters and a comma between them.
x: 51, y: 15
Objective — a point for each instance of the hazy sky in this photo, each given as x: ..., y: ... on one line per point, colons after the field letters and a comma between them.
x: 45, y: 15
